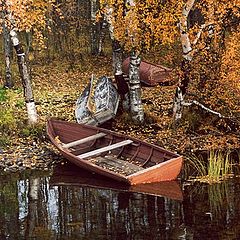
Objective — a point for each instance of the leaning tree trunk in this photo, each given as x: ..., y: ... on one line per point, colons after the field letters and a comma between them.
x: 26, y: 81
x: 7, y: 51
x: 136, y: 106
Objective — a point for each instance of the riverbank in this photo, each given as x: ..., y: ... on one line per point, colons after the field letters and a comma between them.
x: 56, y: 89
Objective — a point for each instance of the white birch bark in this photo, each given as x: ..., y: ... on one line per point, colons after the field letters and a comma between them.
x: 117, y: 56
x: 188, y: 52
x: 26, y: 81
x: 187, y: 58
x: 136, y: 106
x: 7, y: 52
x: 135, y: 93
x: 94, y: 28
x: 101, y: 37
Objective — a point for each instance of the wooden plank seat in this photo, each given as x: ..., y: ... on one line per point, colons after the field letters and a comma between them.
x: 83, y: 140
x: 116, y: 165
x: 105, y: 149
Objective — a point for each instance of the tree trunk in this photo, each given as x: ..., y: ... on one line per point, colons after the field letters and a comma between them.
x: 103, y: 25
x: 7, y: 51
x: 24, y: 73
x: 187, y: 58
x: 136, y: 106
x: 181, y: 89
x: 94, y: 28
x: 122, y: 86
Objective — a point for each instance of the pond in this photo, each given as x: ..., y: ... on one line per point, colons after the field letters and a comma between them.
x: 64, y: 204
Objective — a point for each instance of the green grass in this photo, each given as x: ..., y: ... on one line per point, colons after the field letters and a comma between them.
x: 3, y: 95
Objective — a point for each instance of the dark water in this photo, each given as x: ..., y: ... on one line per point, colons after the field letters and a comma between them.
x: 36, y: 205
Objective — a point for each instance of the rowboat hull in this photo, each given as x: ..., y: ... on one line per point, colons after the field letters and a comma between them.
x: 127, y: 159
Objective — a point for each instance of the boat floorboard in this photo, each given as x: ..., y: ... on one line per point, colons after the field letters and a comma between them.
x: 116, y: 165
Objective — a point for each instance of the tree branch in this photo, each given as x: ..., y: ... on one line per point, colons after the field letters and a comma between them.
x: 202, y: 27
x: 194, y: 102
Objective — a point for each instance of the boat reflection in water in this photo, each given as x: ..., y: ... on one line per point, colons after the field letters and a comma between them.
x: 70, y: 175
x: 95, y: 207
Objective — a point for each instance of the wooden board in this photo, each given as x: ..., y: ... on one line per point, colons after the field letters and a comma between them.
x: 116, y: 165
x: 84, y: 140
x: 104, y: 149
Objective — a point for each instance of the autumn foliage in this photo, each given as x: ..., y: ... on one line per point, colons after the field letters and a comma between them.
x: 152, y: 28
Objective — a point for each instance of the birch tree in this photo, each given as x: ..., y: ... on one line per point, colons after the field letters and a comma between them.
x: 135, y: 92
x: 94, y: 28
x: 7, y: 53
x: 29, y: 17
x: 117, y: 53
x: 197, y: 40
x: 26, y: 80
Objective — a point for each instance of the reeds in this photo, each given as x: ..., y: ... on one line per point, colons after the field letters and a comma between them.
x: 217, y: 167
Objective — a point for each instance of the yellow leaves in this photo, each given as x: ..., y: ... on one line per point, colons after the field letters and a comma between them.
x: 31, y: 15
x: 230, y: 73
x: 142, y: 24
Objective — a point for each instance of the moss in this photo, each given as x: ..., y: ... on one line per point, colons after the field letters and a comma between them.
x: 33, y: 131
x: 3, y: 95
x: 7, y: 120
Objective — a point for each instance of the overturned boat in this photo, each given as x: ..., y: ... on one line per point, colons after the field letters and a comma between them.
x: 150, y: 74
x: 98, y: 103
x: 113, y: 155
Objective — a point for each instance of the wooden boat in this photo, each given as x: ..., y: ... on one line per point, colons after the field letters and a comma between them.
x: 71, y: 176
x: 98, y: 102
x: 113, y: 155
x: 150, y: 74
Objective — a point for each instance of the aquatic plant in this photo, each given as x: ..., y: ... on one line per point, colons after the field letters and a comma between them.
x: 196, y: 166
x: 217, y: 167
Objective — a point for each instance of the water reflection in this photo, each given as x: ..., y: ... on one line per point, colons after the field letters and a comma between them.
x: 45, y: 206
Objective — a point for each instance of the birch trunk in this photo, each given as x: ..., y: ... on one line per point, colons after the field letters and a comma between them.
x: 7, y: 52
x: 122, y: 86
x: 24, y: 73
x: 101, y: 37
x: 94, y: 28
x: 187, y: 58
x: 136, y: 106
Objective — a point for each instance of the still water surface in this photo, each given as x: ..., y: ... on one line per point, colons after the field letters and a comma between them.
x: 60, y: 205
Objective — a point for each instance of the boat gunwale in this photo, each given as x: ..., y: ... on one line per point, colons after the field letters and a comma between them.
x: 110, y: 132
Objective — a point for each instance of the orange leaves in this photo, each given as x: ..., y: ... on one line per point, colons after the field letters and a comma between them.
x: 230, y: 73
x: 30, y: 15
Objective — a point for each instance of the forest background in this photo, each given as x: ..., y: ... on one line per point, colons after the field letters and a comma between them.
x: 65, y: 42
